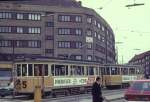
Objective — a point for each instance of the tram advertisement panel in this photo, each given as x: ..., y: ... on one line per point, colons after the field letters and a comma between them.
x: 64, y: 81
x: 126, y: 78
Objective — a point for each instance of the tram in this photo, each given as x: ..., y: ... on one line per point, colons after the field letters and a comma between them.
x: 70, y: 77
x: 5, y: 73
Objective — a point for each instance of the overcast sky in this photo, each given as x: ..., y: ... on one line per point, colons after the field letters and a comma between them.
x: 130, y: 25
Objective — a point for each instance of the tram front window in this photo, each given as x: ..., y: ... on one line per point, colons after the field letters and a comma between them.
x: 24, y: 69
x: 18, y: 69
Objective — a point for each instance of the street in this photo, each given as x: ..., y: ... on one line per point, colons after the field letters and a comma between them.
x: 111, y: 95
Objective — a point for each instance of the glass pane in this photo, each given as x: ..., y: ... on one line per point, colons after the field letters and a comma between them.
x: 18, y: 70
x: 46, y: 70
x: 30, y: 70
x: 24, y: 69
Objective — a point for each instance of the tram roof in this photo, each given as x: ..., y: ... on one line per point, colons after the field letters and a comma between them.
x: 56, y: 60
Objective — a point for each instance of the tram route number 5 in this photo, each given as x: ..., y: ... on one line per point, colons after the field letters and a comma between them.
x: 24, y: 84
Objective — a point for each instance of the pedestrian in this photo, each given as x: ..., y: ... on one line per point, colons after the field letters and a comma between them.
x: 96, y: 91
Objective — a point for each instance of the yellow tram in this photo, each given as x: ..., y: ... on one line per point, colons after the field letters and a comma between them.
x: 5, y: 73
x: 69, y: 77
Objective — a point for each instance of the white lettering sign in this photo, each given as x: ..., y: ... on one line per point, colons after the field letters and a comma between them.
x: 126, y: 78
x: 64, y: 81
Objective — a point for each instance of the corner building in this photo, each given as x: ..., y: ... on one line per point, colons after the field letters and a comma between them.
x: 54, y: 28
x: 143, y: 60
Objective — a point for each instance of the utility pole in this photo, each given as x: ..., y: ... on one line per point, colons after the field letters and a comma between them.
x: 13, y: 68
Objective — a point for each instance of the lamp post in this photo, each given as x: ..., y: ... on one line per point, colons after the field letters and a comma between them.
x: 14, y: 70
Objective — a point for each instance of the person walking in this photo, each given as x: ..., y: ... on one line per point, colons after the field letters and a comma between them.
x: 96, y: 91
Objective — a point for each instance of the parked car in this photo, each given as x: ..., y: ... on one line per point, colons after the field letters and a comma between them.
x: 7, y: 90
x: 138, y: 91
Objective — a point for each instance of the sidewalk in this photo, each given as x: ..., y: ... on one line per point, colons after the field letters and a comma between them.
x: 110, y: 98
x: 114, y: 97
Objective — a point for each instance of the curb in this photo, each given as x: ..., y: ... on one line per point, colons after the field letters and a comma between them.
x: 116, y: 99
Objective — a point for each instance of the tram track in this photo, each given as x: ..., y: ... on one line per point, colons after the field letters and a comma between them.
x: 82, y: 96
x: 63, y: 97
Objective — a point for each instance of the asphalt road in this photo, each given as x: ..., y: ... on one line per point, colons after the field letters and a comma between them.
x: 109, y: 94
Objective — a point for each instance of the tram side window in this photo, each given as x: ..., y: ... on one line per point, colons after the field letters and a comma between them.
x: 113, y: 71
x: 137, y: 71
x: 24, y: 69
x: 90, y: 70
x: 30, y: 70
x: 46, y: 70
x: 77, y: 70
x: 96, y: 71
x: 132, y: 71
x: 52, y: 69
x: 103, y: 71
x: 107, y: 70
x: 18, y: 69
x: 61, y: 70
x: 124, y: 71
x: 38, y: 70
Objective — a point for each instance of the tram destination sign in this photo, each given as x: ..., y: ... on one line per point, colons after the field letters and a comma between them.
x: 68, y: 81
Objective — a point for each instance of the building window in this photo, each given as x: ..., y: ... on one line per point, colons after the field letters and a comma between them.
x: 78, y: 19
x: 89, y: 20
x: 99, y: 26
x: 99, y: 37
x: 89, y: 45
x: 5, y: 43
x: 35, y: 17
x: 28, y: 43
x: 89, y: 57
x: 78, y: 31
x: 50, y: 24
x: 20, y: 16
x: 69, y: 31
x: 32, y: 44
x: 63, y: 31
x: 50, y: 51
x: 78, y: 57
x: 19, y: 29
x: 63, y: 44
x: 5, y: 29
x: 5, y: 15
x: 103, y: 39
x: 89, y: 32
x: 103, y: 29
x: 78, y: 44
x: 95, y: 34
x: 34, y: 30
x: 64, y: 18
x: 95, y: 22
